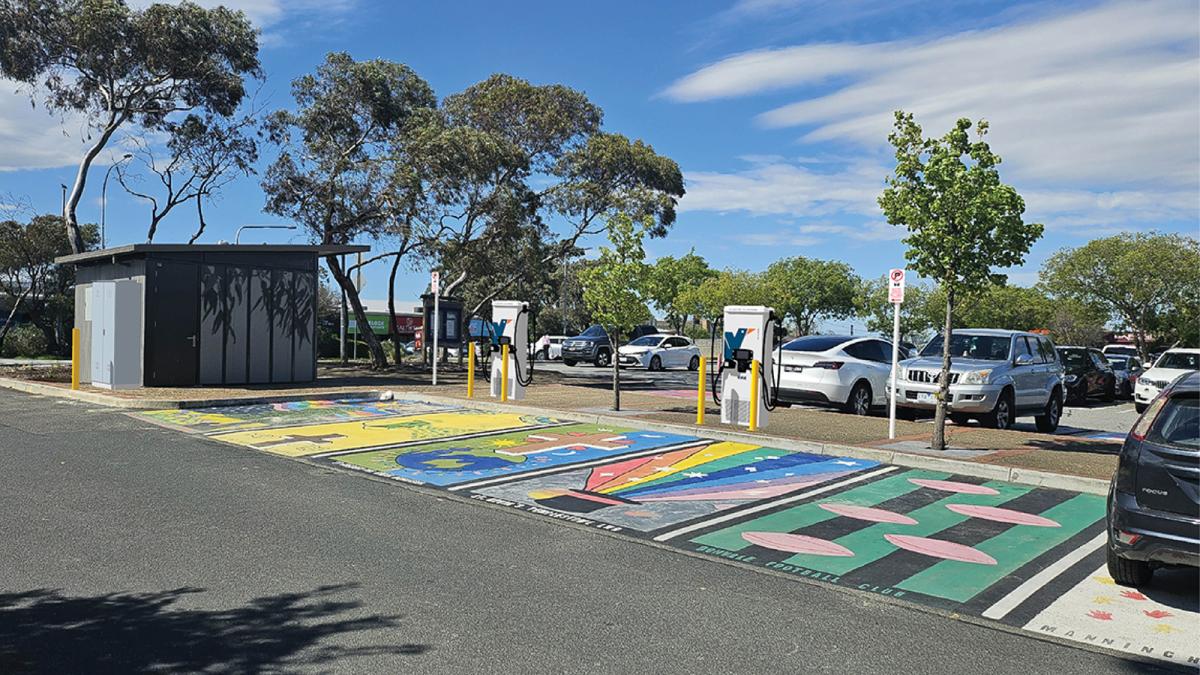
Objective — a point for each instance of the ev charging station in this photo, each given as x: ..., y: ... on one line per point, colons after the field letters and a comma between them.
x: 746, y: 377
x: 510, y: 326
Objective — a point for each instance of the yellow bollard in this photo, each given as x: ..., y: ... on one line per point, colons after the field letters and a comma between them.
x: 753, y: 395
x: 470, y: 370
x: 503, y: 373
x: 700, y: 395
x: 75, y: 358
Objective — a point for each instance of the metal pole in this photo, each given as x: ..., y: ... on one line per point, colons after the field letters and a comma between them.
x: 563, y: 304
x: 504, y: 372
x: 753, y: 396
x: 343, y: 325
x: 895, y: 362
x: 237, y: 237
x: 470, y: 370
x: 437, y: 324
x: 74, y: 358
x: 358, y: 289
x: 104, y: 198
x: 700, y: 394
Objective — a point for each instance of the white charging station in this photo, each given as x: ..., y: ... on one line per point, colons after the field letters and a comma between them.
x: 510, y: 323
x: 749, y: 336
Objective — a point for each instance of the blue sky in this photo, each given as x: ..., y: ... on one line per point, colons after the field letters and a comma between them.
x: 777, y: 110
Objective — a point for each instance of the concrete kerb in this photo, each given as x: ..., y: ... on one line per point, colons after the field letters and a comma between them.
x: 988, y: 471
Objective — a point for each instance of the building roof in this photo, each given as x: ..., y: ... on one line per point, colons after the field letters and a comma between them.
x: 129, y: 250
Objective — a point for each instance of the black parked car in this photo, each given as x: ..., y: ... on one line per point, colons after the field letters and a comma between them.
x: 1153, y: 506
x: 592, y: 345
x: 1088, y: 374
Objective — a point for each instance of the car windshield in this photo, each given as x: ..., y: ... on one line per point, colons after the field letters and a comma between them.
x: 967, y: 346
x: 1074, y: 357
x: 1119, y: 362
x: 1179, y: 360
x: 1128, y: 351
x: 594, y: 331
x: 1179, y: 423
x: 816, y: 343
x: 645, y: 341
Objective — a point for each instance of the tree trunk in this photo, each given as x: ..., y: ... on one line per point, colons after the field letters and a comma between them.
x: 616, y: 367
x: 8, y: 322
x: 939, y: 418
x: 397, y: 348
x: 378, y: 358
x: 69, y: 219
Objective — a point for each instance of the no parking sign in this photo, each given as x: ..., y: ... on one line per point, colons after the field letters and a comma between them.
x: 896, y: 287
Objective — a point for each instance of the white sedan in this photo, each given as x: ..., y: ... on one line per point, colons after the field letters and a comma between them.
x: 1170, y: 365
x: 656, y: 352
x: 549, y: 347
x: 847, y: 371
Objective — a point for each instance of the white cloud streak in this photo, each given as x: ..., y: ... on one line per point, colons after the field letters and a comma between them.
x: 1095, y: 112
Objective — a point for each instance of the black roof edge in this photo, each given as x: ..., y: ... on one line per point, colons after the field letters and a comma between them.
x: 321, y: 250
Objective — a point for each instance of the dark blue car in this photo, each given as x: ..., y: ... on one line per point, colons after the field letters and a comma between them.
x: 1154, y: 501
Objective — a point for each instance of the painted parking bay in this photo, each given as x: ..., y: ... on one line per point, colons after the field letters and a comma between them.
x: 1029, y: 558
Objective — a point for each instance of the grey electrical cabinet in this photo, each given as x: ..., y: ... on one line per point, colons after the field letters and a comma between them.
x: 174, y: 315
x: 116, y: 313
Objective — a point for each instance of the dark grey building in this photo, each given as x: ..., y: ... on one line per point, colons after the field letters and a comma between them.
x: 180, y: 315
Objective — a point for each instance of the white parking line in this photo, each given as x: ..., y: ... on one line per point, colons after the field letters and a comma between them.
x: 1021, y: 593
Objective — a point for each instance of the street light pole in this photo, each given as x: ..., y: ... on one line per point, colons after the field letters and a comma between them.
x: 104, y: 198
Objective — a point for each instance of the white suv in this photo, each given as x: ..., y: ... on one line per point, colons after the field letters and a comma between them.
x: 1172, y: 364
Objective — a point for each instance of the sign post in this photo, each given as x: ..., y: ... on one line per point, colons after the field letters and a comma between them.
x: 896, y: 297
x: 434, y: 278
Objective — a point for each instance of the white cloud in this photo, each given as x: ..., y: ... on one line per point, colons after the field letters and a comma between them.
x: 1095, y: 112
x: 266, y: 13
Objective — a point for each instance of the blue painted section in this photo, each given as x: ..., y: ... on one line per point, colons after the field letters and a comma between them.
x: 764, y: 471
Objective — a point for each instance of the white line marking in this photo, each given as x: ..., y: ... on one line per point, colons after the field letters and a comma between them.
x: 695, y: 442
x: 1021, y: 593
x: 770, y: 505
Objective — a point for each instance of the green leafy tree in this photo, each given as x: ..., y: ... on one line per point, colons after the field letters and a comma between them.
x: 915, y: 321
x: 962, y: 220
x: 728, y: 287
x: 995, y: 306
x: 334, y: 174
x: 1149, y: 282
x: 30, y: 281
x: 120, y: 67
x: 670, y: 277
x: 807, y: 290
x: 1072, y: 322
x: 615, y: 288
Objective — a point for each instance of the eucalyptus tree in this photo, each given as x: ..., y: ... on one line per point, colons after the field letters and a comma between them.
x: 336, y: 170
x: 122, y: 68
x: 962, y: 220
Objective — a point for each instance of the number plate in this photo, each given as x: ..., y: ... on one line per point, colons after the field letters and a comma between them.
x: 923, y: 397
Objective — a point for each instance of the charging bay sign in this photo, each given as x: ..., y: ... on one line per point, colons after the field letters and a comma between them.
x: 896, y: 287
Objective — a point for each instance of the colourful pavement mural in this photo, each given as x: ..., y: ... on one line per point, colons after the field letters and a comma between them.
x: 655, y: 491
x: 226, y: 419
x: 1031, y: 558
x: 486, y: 457
x: 317, y: 439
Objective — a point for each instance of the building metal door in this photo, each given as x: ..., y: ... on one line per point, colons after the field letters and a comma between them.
x: 173, y: 324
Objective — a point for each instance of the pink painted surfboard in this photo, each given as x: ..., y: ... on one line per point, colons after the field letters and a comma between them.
x: 1002, y: 515
x: 954, y: 486
x: 797, y: 543
x: 868, y: 513
x: 937, y: 548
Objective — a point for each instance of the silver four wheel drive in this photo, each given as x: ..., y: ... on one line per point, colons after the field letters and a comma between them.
x: 995, y: 377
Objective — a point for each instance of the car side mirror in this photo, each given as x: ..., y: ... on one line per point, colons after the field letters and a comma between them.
x: 1023, y: 360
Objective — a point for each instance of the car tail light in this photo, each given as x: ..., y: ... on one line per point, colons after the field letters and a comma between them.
x: 829, y: 365
x: 1127, y: 538
x: 1147, y: 419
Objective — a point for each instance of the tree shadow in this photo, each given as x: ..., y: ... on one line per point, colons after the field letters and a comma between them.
x: 1068, y: 444
x: 45, y: 630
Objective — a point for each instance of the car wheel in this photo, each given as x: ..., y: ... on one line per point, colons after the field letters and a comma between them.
x: 1128, y: 572
x: 961, y: 419
x: 655, y: 363
x: 694, y: 364
x: 1048, y: 422
x: 1001, y: 416
x: 603, y: 359
x: 568, y: 362
x: 859, y: 401
x: 1139, y: 407
x: 1110, y: 392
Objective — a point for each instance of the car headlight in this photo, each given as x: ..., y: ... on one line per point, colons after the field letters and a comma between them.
x: 975, y: 377
x: 1070, y: 379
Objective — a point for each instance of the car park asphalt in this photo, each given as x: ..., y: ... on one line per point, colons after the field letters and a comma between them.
x: 129, y: 548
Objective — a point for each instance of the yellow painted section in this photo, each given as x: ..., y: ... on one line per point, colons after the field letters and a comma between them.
x: 700, y: 395
x: 753, y: 395
x: 503, y: 373
x: 332, y: 437
x: 74, y: 358
x: 470, y: 370
x: 188, y: 418
x: 661, y: 468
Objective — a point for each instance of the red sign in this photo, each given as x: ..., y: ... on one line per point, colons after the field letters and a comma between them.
x: 896, y: 287
x: 408, y: 324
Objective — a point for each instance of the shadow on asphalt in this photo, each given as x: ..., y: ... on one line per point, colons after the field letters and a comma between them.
x: 1066, y: 444
x: 47, y: 631
x: 1175, y: 587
